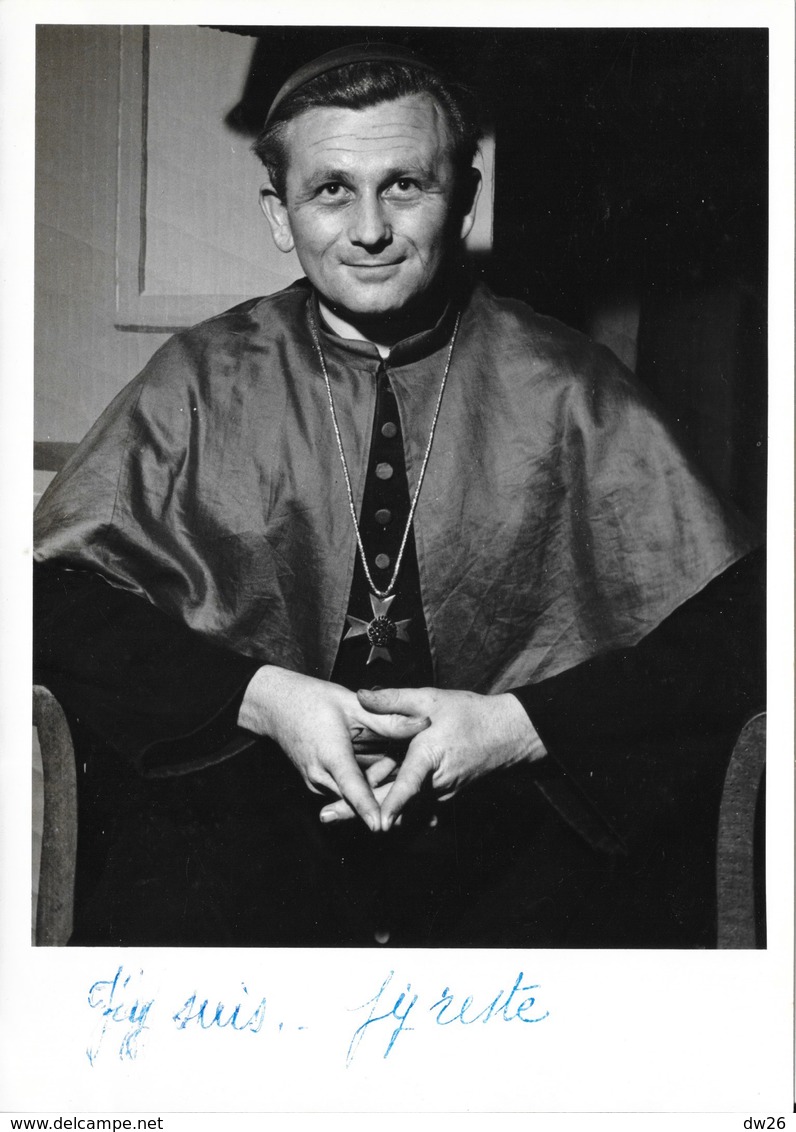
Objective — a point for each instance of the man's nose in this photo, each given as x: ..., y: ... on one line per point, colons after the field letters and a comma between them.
x: 370, y: 225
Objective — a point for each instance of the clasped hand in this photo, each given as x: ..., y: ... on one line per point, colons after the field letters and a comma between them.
x: 454, y: 737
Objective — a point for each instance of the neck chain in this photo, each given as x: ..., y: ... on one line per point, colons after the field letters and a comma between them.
x: 383, y: 594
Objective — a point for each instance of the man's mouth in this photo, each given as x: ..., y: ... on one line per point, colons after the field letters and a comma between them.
x: 370, y: 266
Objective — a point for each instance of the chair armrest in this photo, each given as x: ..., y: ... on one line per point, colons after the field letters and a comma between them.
x: 739, y: 914
x: 55, y: 908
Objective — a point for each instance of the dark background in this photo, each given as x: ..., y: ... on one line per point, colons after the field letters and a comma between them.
x: 631, y: 175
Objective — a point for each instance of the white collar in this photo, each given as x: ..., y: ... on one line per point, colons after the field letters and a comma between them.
x: 346, y: 330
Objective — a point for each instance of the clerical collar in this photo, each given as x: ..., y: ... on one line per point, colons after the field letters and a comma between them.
x: 408, y: 350
x: 344, y: 329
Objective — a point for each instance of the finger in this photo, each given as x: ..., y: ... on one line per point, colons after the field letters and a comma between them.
x: 337, y: 811
x: 367, y: 762
x: 381, y: 771
x: 341, y: 811
x: 352, y: 786
x: 362, y: 735
x: 396, y: 725
x: 404, y: 701
x: 414, y: 771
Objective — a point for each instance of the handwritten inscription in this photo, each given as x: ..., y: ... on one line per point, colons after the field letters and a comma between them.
x: 126, y: 1014
x: 240, y: 1017
x: 123, y: 1014
x: 448, y: 1009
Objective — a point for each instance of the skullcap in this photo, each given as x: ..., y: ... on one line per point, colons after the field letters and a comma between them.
x: 342, y: 57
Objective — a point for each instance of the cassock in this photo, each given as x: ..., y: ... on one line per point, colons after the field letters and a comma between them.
x: 563, y: 548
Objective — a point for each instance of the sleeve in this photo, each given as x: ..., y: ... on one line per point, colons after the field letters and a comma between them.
x: 633, y: 732
x: 157, y: 692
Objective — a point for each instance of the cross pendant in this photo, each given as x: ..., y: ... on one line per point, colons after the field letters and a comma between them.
x: 381, y: 631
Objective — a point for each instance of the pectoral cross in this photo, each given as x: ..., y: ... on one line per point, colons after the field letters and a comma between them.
x: 381, y: 631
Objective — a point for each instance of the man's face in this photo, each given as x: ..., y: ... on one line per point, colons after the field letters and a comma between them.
x: 369, y: 205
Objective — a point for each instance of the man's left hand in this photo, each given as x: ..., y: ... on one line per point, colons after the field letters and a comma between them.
x: 469, y: 736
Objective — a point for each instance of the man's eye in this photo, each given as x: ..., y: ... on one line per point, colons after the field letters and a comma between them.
x: 405, y: 184
x: 332, y: 189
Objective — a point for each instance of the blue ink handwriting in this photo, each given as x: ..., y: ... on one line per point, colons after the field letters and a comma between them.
x: 202, y: 1016
x: 125, y: 1013
x: 373, y: 1018
x: 108, y: 996
x: 489, y: 1012
x: 508, y: 1006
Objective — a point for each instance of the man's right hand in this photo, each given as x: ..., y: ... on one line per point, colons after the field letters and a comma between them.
x: 315, y: 724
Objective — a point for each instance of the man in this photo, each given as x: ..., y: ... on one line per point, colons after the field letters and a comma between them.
x: 438, y: 553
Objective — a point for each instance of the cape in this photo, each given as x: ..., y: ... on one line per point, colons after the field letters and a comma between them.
x: 559, y: 517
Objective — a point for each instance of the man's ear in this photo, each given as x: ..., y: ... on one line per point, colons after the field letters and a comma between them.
x: 468, y: 200
x: 276, y: 214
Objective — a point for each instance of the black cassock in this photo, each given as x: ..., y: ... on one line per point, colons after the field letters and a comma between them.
x: 607, y: 842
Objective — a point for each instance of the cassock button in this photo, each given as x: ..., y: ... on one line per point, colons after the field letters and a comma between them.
x: 389, y: 429
x: 383, y: 516
x: 382, y: 561
x: 384, y: 471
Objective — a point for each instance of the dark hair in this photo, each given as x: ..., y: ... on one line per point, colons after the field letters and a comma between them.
x: 368, y: 83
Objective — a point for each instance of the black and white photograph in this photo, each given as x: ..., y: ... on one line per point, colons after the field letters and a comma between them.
x: 408, y: 424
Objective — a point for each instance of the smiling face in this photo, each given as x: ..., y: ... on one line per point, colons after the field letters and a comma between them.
x: 371, y: 207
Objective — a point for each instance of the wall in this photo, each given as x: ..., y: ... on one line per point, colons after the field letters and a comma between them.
x: 186, y: 237
x: 81, y: 359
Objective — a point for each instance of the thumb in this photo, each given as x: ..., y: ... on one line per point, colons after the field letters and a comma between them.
x: 404, y: 701
x: 394, y: 725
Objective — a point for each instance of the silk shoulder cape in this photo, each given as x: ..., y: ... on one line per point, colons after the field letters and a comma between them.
x: 559, y: 518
